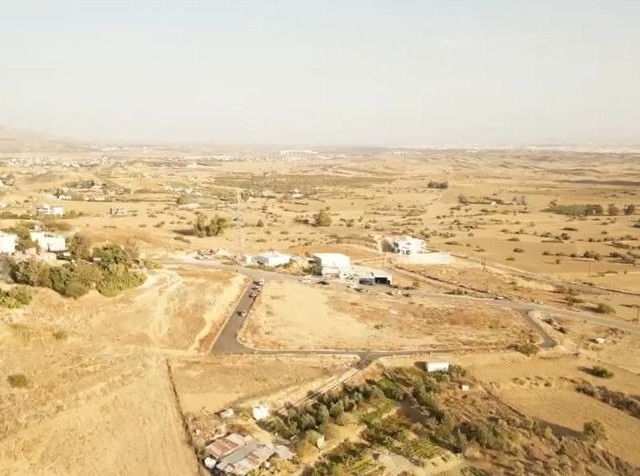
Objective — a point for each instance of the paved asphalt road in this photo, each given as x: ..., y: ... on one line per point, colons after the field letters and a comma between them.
x: 227, y: 342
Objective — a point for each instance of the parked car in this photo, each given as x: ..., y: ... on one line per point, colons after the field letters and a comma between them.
x: 242, y: 313
x: 253, y: 295
x: 323, y: 282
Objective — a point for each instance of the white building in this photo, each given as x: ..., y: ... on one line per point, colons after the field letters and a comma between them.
x: 8, y: 242
x: 48, y: 241
x: 406, y: 245
x: 332, y: 264
x: 46, y: 209
x: 441, y: 366
x: 272, y: 259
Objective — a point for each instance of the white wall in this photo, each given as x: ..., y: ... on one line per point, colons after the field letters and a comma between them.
x: 427, y: 258
x: 8, y: 243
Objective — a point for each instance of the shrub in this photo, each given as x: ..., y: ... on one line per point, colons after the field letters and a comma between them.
x: 214, y: 227
x: 594, y: 431
x: 118, y: 280
x: 30, y: 272
x: 18, y: 380
x: 601, y: 372
x: 322, y: 218
x: 603, y: 308
x: 528, y: 348
x: 60, y: 335
x: 21, y: 294
x: 518, y: 250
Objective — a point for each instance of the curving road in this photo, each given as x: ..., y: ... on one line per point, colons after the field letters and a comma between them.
x: 227, y: 340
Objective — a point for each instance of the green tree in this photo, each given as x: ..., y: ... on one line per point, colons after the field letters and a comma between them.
x: 629, y: 209
x: 213, y: 227
x: 613, y: 211
x: 30, y: 272
x: 79, y: 246
x: 323, y: 218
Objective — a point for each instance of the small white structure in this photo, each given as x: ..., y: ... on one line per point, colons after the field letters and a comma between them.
x: 190, y: 206
x: 210, y: 463
x: 406, y: 245
x: 272, y: 259
x: 464, y: 387
x: 50, y: 210
x: 48, y: 241
x: 8, y: 242
x: 226, y: 414
x: 260, y: 412
x: 436, y: 366
x: 599, y: 340
x: 332, y: 264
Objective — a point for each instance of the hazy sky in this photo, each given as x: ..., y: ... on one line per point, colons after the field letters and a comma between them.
x: 400, y: 72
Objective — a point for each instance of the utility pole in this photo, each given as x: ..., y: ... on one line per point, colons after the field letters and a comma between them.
x: 238, y: 224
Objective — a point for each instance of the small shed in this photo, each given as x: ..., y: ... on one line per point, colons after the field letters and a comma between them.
x: 260, y: 412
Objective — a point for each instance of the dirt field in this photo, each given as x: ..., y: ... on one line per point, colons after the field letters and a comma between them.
x: 75, y: 417
x: 545, y: 389
x: 89, y: 362
x: 297, y: 316
x: 213, y: 385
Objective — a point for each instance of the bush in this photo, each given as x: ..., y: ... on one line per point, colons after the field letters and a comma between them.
x: 21, y: 294
x: 322, y: 218
x: 214, y: 227
x: 518, y: 250
x: 118, y: 280
x: 528, y: 348
x: 79, y: 246
x: 60, y: 335
x: 603, y: 308
x: 602, y: 372
x: 18, y: 380
x: 487, y: 435
x: 594, y: 431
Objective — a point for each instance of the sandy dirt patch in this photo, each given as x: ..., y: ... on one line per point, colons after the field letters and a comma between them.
x: 213, y: 385
x: 295, y: 316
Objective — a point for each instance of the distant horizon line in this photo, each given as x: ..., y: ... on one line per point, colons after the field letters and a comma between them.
x: 100, y: 144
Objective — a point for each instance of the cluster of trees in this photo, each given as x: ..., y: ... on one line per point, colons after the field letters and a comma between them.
x: 107, y: 269
x: 590, y: 209
x: 626, y: 258
x: 438, y: 185
x: 577, y: 210
x: 489, y: 435
x: 213, y: 227
x: 618, y: 400
x: 592, y: 255
x: 345, y: 455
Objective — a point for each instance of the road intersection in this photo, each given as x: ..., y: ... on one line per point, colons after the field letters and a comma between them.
x: 227, y: 340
